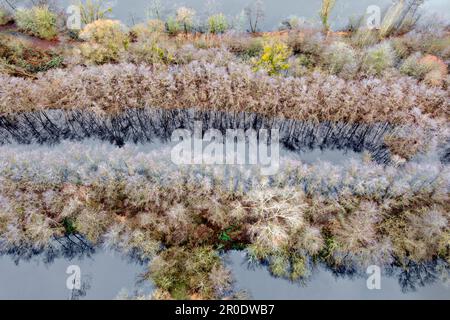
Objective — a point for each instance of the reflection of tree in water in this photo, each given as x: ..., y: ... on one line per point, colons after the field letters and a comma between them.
x: 147, y: 125
x: 411, y: 276
x: 69, y: 247
x: 86, y: 284
x: 415, y: 275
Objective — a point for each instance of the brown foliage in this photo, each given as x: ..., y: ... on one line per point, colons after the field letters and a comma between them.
x: 112, y: 88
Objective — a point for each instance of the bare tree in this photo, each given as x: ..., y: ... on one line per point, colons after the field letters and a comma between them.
x: 325, y: 11
x: 410, y: 14
x: 155, y: 10
x: 255, y: 14
x: 401, y: 17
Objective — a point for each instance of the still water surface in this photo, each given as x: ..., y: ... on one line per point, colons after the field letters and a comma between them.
x: 133, y: 11
x: 106, y: 275
x: 324, y: 284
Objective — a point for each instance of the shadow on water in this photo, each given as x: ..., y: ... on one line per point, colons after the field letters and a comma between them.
x: 29, y: 273
x: 424, y: 281
x: 147, y: 125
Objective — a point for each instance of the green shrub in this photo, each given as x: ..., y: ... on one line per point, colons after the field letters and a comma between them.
x: 378, y: 58
x: 217, y: 23
x: 150, y: 51
x: 201, y: 43
x: 185, y: 18
x: 301, y: 65
x: 299, y: 267
x: 245, y: 46
x: 105, y: 32
x: 172, y: 26
x: 22, y: 59
x: 402, y: 47
x: 434, y: 70
x: 5, y: 16
x: 279, y: 265
x: 185, y: 272
x: 38, y: 21
x: 306, y: 42
x: 306, y: 61
x: 274, y: 58
x: 364, y: 38
x: 438, y: 46
x: 253, y: 48
x: 413, y: 68
x: 340, y: 59
x: 69, y: 226
x: 106, y: 39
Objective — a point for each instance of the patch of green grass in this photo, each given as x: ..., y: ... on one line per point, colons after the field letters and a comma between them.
x: 224, y: 236
x: 330, y: 246
x: 179, y: 291
x: 25, y: 59
x: 55, y: 62
x: 38, y: 21
x: 69, y: 226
